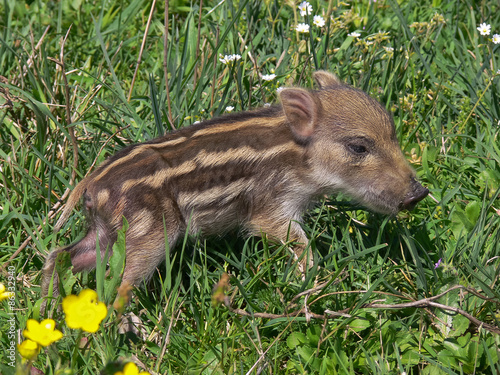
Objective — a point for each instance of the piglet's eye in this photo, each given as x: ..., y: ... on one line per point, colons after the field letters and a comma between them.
x: 357, y: 149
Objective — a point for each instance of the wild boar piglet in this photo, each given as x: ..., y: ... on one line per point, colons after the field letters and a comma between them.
x: 257, y: 170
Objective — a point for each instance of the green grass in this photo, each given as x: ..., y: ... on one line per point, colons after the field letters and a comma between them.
x: 425, y: 61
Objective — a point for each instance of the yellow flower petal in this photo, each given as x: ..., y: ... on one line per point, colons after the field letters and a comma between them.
x: 28, y: 349
x: 43, y: 333
x: 84, y: 311
x: 3, y: 293
x: 131, y: 369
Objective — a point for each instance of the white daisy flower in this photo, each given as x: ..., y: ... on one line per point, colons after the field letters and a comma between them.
x: 225, y: 59
x: 354, y: 34
x: 484, y: 29
x: 229, y: 58
x: 268, y: 77
x: 496, y: 39
x: 305, y: 8
x: 302, y: 28
x: 319, y: 21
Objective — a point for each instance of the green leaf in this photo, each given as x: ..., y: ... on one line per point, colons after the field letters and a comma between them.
x: 491, y: 179
x: 313, y: 334
x: 433, y: 370
x: 116, y: 262
x: 295, y: 339
x: 460, y: 224
x: 447, y: 357
x: 306, y: 352
x: 360, y: 324
x: 460, y: 325
x: 452, y: 345
x: 472, y: 211
x: 64, y: 269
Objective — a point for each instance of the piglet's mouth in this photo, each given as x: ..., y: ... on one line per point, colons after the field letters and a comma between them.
x: 417, y: 193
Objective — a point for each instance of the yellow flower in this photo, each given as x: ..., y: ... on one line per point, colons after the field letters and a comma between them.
x: 131, y: 369
x: 3, y: 293
x: 28, y: 349
x: 84, y: 311
x: 43, y: 333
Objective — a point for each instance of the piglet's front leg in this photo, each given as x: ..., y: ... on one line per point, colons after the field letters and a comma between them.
x: 287, y: 231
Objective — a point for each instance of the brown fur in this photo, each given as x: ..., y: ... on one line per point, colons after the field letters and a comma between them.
x: 259, y: 170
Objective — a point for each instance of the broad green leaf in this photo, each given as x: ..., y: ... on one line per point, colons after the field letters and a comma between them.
x: 472, y: 211
x: 295, y: 339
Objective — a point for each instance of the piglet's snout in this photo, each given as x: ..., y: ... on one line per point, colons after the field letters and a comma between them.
x: 416, y: 194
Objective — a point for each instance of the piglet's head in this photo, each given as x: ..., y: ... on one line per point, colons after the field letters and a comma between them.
x: 351, y: 145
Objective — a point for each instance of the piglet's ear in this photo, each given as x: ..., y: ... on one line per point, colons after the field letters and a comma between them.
x: 326, y: 79
x: 301, y: 111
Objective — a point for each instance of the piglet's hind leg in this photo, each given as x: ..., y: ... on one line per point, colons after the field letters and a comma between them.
x: 83, y: 258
